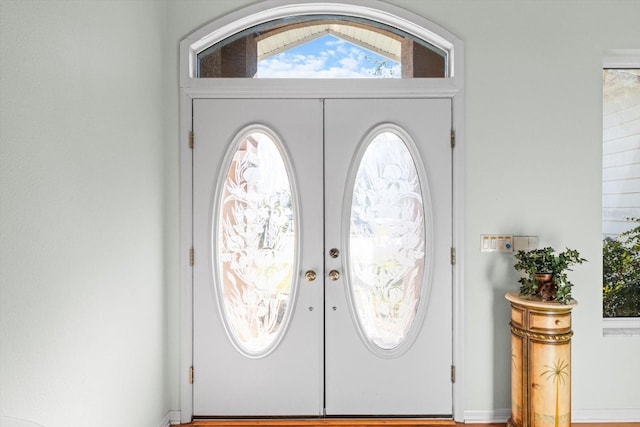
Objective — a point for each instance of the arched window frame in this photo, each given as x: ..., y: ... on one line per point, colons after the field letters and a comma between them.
x: 271, y: 10
x: 192, y: 87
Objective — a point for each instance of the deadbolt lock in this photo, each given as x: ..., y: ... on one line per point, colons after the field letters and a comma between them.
x: 333, y: 253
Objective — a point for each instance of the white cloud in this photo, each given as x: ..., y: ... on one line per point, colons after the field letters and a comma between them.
x: 350, y: 63
x: 307, y: 66
x: 335, y: 41
x: 342, y: 49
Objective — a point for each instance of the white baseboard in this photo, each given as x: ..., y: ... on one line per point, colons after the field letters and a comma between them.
x: 501, y: 416
x: 577, y: 416
x: 165, y: 421
x: 170, y: 418
x: 605, y: 415
x: 487, y: 417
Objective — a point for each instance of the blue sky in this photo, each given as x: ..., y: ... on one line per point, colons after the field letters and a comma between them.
x: 325, y: 57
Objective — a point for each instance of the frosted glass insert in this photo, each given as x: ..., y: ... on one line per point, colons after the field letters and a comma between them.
x: 387, y: 241
x: 256, y: 245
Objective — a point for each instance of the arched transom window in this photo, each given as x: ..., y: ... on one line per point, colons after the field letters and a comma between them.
x: 322, y: 47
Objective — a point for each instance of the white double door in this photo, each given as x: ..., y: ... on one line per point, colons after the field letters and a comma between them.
x: 371, y: 334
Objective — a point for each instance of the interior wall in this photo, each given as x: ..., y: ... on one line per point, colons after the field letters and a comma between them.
x: 534, y: 147
x: 533, y: 156
x: 83, y: 336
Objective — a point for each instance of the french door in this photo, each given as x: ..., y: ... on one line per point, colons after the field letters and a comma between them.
x: 322, y: 275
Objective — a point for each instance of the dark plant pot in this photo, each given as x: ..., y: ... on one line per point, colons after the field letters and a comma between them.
x: 547, y: 288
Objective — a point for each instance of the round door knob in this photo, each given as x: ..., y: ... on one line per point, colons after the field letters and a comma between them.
x: 310, y: 276
x: 334, y: 275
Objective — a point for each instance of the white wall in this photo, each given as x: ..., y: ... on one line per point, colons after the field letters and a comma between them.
x: 533, y: 149
x: 83, y: 317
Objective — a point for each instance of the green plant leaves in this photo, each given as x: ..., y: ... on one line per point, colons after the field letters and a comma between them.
x: 621, y: 274
x: 545, y: 260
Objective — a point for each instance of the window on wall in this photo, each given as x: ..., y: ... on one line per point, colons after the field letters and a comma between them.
x: 621, y: 192
x: 322, y: 47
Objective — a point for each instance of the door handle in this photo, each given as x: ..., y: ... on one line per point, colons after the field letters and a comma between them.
x: 334, y: 275
x: 310, y: 275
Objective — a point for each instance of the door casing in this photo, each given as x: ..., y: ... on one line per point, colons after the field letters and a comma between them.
x: 191, y: 88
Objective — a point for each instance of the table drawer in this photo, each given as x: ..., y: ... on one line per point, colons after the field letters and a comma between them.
x: 549, y: 322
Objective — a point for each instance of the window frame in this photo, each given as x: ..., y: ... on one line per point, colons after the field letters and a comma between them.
x: 234, y: 23
x: 620, y: 326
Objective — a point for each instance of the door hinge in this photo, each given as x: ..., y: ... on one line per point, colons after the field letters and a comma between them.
x: 191, y: 139
x: 453, y: 138
x: 191, y: 375
x: 453, y: 374
x: 453, y: 256
x: 192, y: 257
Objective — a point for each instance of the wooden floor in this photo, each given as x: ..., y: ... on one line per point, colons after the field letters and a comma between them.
x: 365, y: 423
x: 320, y: 422
x: 323, y: 422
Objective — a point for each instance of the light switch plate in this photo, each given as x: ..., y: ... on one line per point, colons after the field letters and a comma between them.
x: 496, y: 243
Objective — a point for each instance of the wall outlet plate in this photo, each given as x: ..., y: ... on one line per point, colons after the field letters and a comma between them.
x: 525, y: 243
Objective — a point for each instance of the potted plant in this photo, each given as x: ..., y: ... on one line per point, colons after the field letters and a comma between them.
x: 545, y: 273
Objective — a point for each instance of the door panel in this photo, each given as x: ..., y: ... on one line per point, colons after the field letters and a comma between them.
x: 311, y: 351
x: 244, y: 377
x: 415, y: 381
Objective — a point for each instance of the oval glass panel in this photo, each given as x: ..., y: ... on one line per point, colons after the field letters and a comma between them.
x: 256, y: 246
x: 386, y: 242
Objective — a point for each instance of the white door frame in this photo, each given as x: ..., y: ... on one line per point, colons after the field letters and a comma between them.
x: 451, y: 87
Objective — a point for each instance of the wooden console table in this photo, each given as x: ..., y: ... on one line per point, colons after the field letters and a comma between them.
x: 540, y: 362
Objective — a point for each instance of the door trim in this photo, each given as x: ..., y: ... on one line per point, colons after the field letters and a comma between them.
x: 192, y: 88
